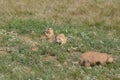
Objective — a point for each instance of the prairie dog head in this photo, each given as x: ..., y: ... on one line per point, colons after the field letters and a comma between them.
x: 110, y: 59
x: 61, y: 39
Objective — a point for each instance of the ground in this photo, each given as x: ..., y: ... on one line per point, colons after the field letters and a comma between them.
x: 88, y: 25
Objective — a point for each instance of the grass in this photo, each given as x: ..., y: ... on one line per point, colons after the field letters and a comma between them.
x: 89, y: 12
x: 88, y: 25
x: 20, y: 63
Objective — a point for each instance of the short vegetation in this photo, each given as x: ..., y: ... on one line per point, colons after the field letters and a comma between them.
x: 90, y: 25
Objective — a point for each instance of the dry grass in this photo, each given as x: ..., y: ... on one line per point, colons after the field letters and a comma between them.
x: 88, y: 12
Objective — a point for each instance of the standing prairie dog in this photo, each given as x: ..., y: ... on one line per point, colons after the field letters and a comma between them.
x: 49, y: 34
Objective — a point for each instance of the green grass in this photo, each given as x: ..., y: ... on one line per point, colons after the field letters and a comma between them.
x: 20, y: 63
x: 88, y: 24
x: 83, y: 12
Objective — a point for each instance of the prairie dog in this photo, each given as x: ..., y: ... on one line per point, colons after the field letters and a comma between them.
x: 93, y: 58
x: 61, y: 39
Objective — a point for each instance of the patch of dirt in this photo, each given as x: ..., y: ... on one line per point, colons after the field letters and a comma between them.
x: 3, y: 51
x: 50, y: 58
x: 34, y: 44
